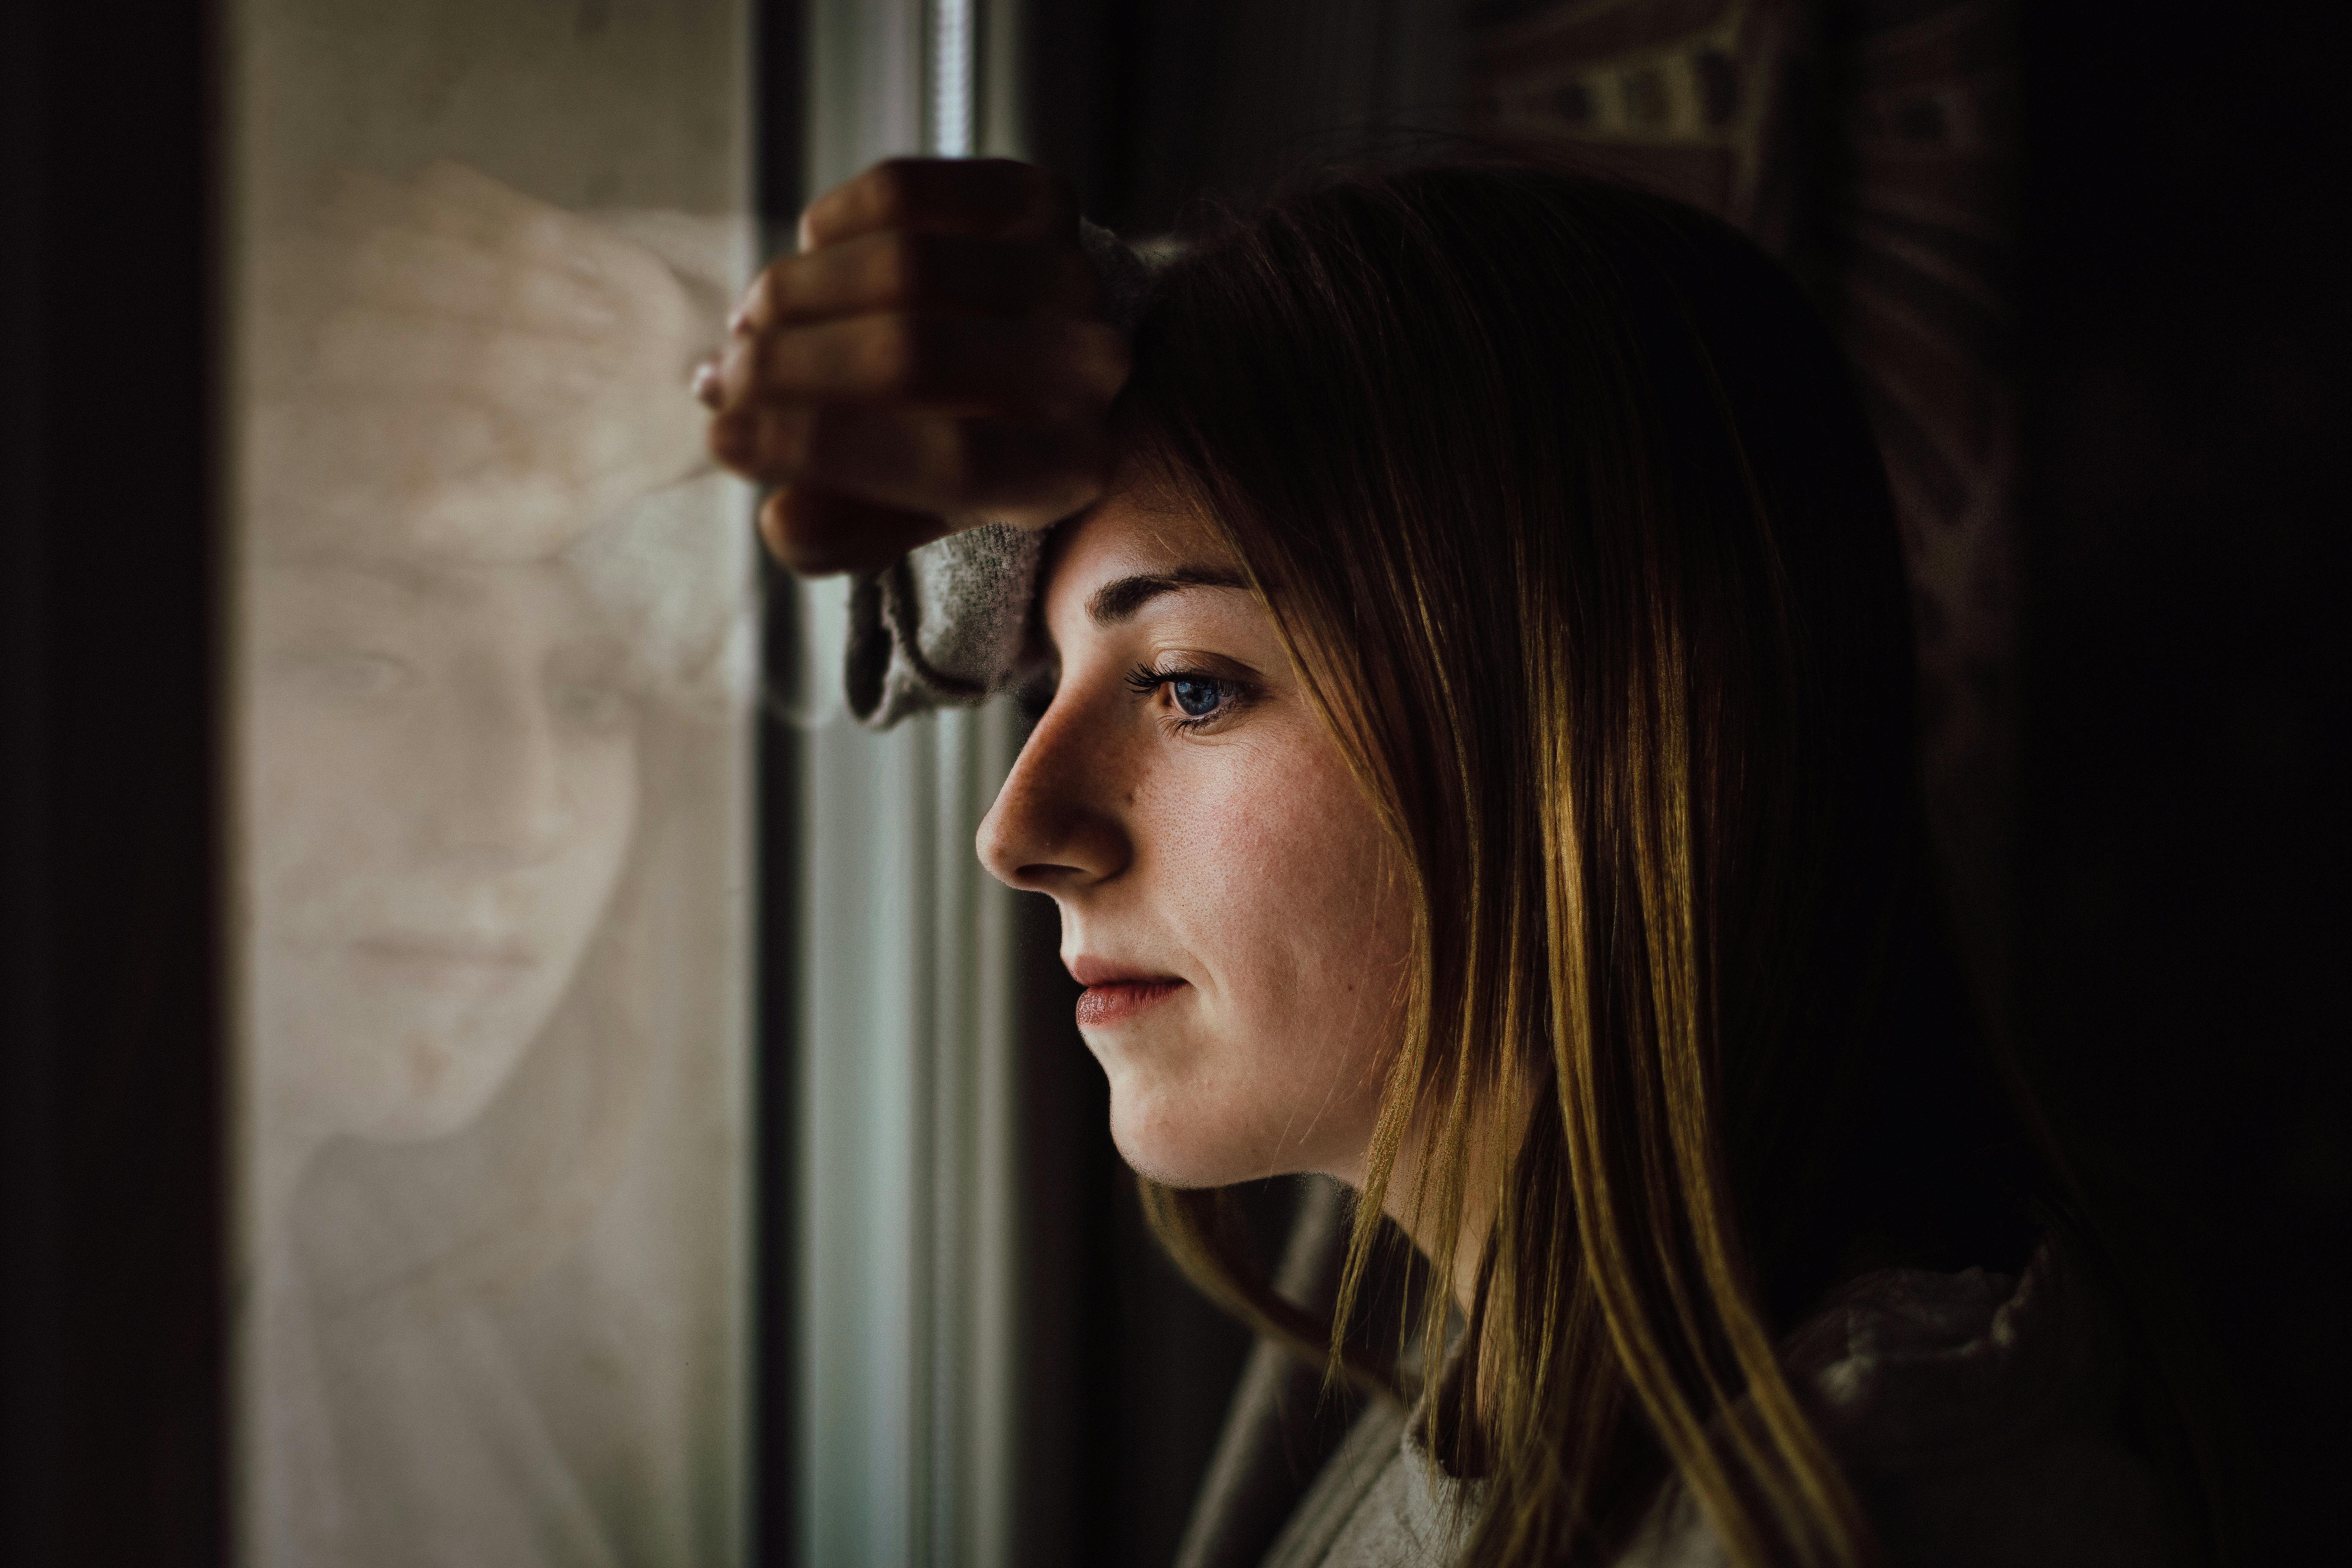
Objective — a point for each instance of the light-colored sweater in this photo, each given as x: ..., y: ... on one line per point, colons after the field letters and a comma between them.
x: 1969, y: 1411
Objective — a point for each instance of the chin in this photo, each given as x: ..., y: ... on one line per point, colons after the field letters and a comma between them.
x: 438, y: 1085
x: 1164, y: 1138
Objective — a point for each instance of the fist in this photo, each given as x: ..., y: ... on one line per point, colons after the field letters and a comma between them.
x: 447, y: 365
x: 934, y: 358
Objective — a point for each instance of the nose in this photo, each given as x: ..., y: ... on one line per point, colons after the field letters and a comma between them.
x: 504, y: 799
x: 1051, y: 830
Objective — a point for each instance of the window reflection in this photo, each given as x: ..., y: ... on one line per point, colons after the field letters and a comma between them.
x: 492, y: 676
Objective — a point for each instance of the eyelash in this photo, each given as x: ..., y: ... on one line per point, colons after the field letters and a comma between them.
x: 1143, y: 680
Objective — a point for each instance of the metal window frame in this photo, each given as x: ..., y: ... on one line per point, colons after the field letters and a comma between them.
x: 113, y: 1350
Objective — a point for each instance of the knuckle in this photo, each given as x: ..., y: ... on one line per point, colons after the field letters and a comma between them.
x: 730, y: 441
x: 788, y: 436
x: 794, y: 531
x: 781, y: 293
x: 540, y: 231
x: 905, y: 268
x: 962, y: 472
x: 899, y: 354
x: 759, y: 298
x: 764, y: 359
x: 815, y: 437
x: 891, y: 187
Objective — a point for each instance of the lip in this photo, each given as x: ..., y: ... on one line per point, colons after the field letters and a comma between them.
x: 1115, y: 1002
x: 441, y: 960
x: 1117, y: 992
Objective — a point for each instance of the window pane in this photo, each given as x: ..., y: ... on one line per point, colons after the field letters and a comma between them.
x: 492, y: 676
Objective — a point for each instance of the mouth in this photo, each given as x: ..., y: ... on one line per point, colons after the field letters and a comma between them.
x: 1117, y: 1002
x: 439, y: 963
x: 1114, y: 994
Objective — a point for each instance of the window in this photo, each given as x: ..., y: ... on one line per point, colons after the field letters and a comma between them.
x: 492, y: 676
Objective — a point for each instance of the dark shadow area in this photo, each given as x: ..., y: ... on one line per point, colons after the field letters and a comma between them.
x: 113, y: 1343
x: 2181, y: 829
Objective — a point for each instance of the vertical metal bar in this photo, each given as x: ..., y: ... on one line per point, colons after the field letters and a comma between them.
x: 779, y: 158
x: 951, y: 59
x: 903, y: 1006
x: 990, y: 1111
x: 951, y: 1134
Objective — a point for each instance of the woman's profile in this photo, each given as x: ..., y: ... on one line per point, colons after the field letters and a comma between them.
x: 1479, y: 768
x: 488, y: 767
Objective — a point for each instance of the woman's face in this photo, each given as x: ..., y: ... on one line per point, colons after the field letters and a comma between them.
x: 442, y: 784
x: 1226, y: 896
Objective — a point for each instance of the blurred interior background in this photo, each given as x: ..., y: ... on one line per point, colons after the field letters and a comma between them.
x: 742, y: 1192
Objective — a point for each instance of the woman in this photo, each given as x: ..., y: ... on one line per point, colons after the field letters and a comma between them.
x: 1479, y: 768
x: 489, y: 768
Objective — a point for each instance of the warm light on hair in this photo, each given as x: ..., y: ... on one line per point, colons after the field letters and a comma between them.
x: 1565, y: 507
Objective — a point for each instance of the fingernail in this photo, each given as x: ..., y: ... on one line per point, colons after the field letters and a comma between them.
x: 740, y: 323
x: 706, y: 382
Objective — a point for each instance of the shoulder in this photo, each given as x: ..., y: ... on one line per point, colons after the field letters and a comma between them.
x: 1974, y: 1415
x: 1977, y: 1415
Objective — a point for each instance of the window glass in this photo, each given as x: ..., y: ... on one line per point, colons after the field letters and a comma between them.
x: 492, y: 675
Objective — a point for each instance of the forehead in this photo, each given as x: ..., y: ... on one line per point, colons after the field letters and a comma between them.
x: 1135, y: 532
x: 535, y: 597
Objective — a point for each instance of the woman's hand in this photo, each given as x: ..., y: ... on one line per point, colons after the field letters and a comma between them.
x: 935, y: 358
x: 447, y: 365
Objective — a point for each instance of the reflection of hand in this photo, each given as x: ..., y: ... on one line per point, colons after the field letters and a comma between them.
x: 454, y: 367
x: 933, y: 359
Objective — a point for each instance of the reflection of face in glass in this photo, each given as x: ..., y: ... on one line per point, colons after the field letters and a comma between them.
x: 443, y: 785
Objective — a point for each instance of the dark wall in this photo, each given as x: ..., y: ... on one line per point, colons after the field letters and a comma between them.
x: 2187, y: 421
x: 1149, y: 105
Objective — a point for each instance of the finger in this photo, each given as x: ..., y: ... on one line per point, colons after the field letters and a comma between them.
x: 462, y: 205
x: 435, y: 275
x: 899, y: 270
x: 447, y: 199
x: 1027, y: 472
x: 362, y: 202
x: 385, y: 351
x: 362, y: 474
x: 991, y: 196
x: 970, y: 364
x: 459, y: 201
x: 818, y: 534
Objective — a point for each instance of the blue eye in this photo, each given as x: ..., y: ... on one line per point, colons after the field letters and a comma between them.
x: 1197, y: 697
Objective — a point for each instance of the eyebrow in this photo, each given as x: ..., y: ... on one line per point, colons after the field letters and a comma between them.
x: 1119, y: 599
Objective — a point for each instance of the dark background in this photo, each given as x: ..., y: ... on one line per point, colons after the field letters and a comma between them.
x: 2144, y: 788
x: 2179, y: 867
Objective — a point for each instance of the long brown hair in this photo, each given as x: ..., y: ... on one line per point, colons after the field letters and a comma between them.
x: 1564, y: 506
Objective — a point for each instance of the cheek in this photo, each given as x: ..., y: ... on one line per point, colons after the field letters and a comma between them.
x: 602, y: 783
x: 1283, y: 888
x: 1289, y: 876
x: 328, y: 795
